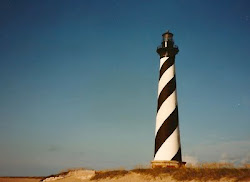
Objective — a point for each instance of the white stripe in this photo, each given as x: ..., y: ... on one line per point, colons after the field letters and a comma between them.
x: 162, y: 60
x: 165, y: 78
x: 165, y: 110
x: 170, y: 147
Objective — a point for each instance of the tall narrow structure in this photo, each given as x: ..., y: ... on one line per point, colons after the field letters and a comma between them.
x: 167, y: 135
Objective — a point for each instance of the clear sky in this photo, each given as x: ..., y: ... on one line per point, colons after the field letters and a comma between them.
x: 79, y: 82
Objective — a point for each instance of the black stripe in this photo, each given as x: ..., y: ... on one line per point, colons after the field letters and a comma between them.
x: 166, y: 129
x: 177, y: 156
x: 166, y: 92
x: 167, y: 64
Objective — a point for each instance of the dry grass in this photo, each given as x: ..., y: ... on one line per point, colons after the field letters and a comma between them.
x: 109, y: 174
x: 63, y: 173
x: 202, y: 172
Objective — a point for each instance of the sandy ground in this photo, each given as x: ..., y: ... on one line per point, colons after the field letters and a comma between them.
x: 131, y: 176
x: 7, y: 179
x: 137, y: 178
x: 77, y: 176
x: 126, y: 178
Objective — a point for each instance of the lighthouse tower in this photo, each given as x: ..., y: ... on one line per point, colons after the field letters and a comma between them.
x: 167, y: 134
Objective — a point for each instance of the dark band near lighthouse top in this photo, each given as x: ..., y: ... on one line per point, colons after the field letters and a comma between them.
x: 167, y: 47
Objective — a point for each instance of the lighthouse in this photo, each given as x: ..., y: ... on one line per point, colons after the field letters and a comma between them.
x: 167, y: 151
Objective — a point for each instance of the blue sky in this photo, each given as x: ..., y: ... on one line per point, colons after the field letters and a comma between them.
x: 79, y: 82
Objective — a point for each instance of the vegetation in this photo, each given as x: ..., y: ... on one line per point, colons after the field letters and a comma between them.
x: 202, y: 172
x: 62, y: 173
x: 109, y: 174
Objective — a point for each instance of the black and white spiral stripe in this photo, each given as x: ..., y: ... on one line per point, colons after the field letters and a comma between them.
x: 167, y: 135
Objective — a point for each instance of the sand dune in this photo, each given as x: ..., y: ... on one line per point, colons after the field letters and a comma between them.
x: 210, y: 173
x: 155, y: 175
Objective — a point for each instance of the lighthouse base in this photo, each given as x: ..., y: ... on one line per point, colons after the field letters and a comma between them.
x: 167, y: 164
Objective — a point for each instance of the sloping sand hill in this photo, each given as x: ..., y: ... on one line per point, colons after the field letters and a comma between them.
x: 208, y: 173
x: 155, y: 175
